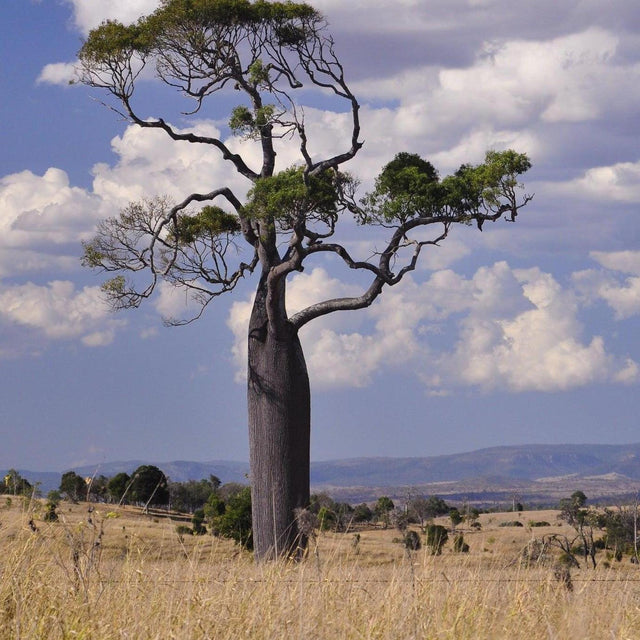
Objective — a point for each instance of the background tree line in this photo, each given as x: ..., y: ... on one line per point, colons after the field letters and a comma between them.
x: 225, y: 510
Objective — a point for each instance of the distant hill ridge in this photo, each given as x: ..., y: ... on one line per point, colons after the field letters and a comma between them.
x: 503, y: 465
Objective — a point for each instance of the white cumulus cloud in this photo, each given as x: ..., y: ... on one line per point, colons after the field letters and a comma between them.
x: 540, y: 348
x: 504, y: 328
x: 622, y: 294
x: 62, y: 73
x: 618, y: 183
x: 89, y: 14
x: 60, y: 311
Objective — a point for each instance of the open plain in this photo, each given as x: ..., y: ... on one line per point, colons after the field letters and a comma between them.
x: 108, y: 572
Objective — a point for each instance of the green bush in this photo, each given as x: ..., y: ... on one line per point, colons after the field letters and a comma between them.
x: 412, y: 540
x: 53, y: 500
x: 231, y: 518
x: 326, y: 519
x: 50, y: 513
x: 437, y: 537
x: 197, y: 522
x: 459, y: 545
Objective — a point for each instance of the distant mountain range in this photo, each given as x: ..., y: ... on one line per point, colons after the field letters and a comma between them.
x: 532, y: 470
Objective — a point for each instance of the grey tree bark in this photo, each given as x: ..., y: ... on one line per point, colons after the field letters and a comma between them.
x: 279, y: 408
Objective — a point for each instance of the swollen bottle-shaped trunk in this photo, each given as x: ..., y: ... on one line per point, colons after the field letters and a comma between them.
x: 279, y: 433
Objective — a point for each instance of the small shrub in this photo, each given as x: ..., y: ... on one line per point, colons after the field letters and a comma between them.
x: 53, y: 500
x: 401, y: 521
x: 511, y: 523
x: 539, y: 523
x: 562, y: 574
x: 197, y: 521
x: 184, y: 530
x: 50, y: 514
x: 437, y: 536
x: 232, y: 519
x: 459, y: 545
x: 326, y: 519
x: 567, y: 560
x: 412, y: 541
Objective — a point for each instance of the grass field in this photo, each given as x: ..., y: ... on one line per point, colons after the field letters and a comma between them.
x: 114, y: 573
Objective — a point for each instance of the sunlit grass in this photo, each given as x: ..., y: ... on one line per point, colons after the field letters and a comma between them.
x: 144, y: 581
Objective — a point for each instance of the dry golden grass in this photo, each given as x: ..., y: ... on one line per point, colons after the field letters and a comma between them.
x: 143, y: 581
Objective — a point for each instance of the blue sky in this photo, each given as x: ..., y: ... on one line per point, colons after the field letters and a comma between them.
x: 526, y: 333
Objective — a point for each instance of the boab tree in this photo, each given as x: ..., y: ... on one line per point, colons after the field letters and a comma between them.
x: 265, y: 55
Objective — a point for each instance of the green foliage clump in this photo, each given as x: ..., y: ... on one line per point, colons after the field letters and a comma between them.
x: 117, y: 486
x: 92, y: 257
x: 459, y: 545
x: 406, y: 185
x: 331, y: 515
x: 149, y: 485
x: 192, y: 495
x: 436, y: 538
x: 412, y: 540
x: 14, y: 483
x: 326, y: 519
x: 197, y: 22
x: 114, y: 286
x: 228, y: 13
x: 383, y: 505
x: 289, y: 196
x: 248, y: 124
x: 73, y: 486
x: 231, y: 518
x: 421, y: 509
x: 209, y: 222
x: 53, y: 500
x: 259, y: 74
x: 362, y: 513
x: 113, y: 41
x: 382, y: 510
x: 409, y: 187
x: 455, y: 516
x: 197, y: 522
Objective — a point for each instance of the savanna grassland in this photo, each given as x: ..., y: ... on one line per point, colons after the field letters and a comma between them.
x: 115, y: 573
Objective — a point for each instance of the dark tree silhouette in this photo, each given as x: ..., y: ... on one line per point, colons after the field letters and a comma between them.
x: 118, y: 486
x: 149, y: 486
x: 73, y: 486
x: 265, y: 54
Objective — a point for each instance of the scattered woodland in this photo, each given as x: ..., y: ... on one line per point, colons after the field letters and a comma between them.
x: 98, y: 569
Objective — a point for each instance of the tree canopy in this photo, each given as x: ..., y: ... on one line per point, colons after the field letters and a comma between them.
x: 265, y: 52
x: 149, y: 485
x: 73, y: 486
